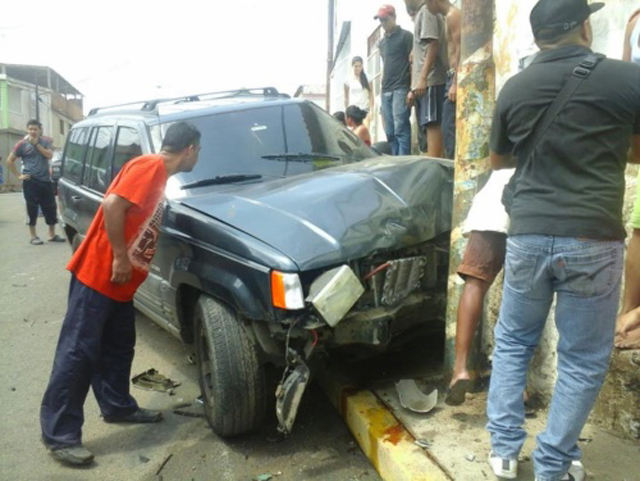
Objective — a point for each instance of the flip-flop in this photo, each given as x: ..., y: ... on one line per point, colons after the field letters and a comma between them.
x: 456, y: 393
x: 36, y: 241
x: 56, y: 238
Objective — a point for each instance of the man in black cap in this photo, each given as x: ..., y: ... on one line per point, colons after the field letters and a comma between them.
x: 566, y: 235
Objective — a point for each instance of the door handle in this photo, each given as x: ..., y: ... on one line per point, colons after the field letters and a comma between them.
x: 76, y: 198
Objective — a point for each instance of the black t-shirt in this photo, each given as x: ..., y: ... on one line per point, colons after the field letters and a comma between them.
x: 395, y: 49
x: 573, y: 186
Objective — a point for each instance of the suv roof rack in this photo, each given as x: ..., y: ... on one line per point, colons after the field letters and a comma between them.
x: 150, y: 105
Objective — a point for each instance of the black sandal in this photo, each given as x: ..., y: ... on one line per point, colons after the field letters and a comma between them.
x: 456, y: 394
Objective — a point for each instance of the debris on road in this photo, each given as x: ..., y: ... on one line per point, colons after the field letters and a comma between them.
x: 325, y: 454
x: 189, y: 414
x: 143, y: 459
x: 412, y: 397
x: 267, y: 476
x: 470, y: 457
x: 423, y: 443
x: 152, y: 380
x: 164, y: 463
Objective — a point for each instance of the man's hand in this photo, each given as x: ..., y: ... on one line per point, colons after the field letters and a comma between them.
x: 410, y: 98
x: 453, y: 92
x: 628, y: 322
x: 24, y: 177
x: 34, y: 140
x: 421, y: 89
x: 121, y: 269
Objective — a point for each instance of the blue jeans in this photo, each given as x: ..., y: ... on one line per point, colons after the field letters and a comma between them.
x: 585, y: 276
x: 397, y: 126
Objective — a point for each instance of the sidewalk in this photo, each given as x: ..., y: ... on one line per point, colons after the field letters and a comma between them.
x: 458, y: 444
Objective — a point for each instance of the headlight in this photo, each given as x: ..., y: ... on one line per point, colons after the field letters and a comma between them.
x: 286, y: 291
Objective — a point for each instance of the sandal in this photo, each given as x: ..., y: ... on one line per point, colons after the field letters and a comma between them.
x: 56, y: 238
x: 36, y: 241
x: 456, y: 393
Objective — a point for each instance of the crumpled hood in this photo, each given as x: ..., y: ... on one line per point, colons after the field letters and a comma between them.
x: 339, y: 214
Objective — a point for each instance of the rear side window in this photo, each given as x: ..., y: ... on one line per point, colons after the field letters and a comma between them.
x: 96, y: 173
x: 127, y: 147
x: 72, y: 168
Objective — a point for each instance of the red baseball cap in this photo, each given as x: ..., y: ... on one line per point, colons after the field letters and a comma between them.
x: 385, y: 11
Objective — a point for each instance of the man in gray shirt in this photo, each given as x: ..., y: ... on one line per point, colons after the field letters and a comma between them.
x: 35, y: 152
x: 429, y: 74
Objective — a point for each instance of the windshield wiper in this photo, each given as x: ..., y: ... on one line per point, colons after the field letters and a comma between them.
x: 301, y: 157
x: 221, y: 179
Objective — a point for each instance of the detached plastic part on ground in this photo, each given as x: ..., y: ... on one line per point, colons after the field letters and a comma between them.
x: 152, y: 380
x: 414, y: 399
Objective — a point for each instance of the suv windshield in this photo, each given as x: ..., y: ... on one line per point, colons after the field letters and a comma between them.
x: 271, y: 141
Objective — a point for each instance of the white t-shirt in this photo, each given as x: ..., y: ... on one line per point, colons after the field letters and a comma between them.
x: 487, y: 212
x: 358, y: 95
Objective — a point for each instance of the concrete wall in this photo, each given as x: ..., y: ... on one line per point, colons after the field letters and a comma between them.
x: 618, y: 409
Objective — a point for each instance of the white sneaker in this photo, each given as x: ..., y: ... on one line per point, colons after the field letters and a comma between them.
x: 503, y: 468
x: 576, y: 472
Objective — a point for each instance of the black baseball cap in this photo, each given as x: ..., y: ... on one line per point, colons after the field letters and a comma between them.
x: 558, y: 16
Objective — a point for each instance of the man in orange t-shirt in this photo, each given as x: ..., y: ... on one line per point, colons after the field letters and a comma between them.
x: 97, y: 339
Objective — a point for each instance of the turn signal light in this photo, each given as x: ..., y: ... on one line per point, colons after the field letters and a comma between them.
x: 286, y: 291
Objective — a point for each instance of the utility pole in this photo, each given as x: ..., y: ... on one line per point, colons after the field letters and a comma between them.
x: 37, y: 105
x: 330, y: 33
x: 474, y: 111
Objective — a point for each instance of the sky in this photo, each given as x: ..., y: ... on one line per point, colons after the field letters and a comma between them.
x: 121, y: 51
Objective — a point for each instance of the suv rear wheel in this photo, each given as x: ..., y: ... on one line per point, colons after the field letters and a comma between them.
x: 231, y: 379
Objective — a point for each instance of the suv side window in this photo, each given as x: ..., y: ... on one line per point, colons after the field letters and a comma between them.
x: 128, y: 146
x: 96, y: 173
x: 72, y: 168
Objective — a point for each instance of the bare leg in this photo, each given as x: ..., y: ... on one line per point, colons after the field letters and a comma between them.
x: 52, y: 231
x: 434, y: 140
x: 469, y: 314
x: 631, y: 298
x: 32, y: 231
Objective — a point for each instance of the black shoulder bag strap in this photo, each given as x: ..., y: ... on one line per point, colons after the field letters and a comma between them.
x: 580, y: 74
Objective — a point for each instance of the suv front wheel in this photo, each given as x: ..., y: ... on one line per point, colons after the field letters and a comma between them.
x: 231, y: 379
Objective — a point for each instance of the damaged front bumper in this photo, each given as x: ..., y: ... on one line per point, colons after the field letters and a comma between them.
x: 342, y: 312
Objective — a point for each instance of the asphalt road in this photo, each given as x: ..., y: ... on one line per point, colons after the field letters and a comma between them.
x: 33, y: 290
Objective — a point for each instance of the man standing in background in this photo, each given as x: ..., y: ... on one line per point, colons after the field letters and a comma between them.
x: 453, y: 18
x: 37, y: 187
x: 395, y: 50
x: 429, y: 73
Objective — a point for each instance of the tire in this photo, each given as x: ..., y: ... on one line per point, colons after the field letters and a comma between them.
x: 231, y: 379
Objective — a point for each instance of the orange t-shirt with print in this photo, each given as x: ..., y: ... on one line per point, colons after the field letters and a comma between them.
x: 141, y: 181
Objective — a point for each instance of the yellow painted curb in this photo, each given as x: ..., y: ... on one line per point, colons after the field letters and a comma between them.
x: 387, y: 444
